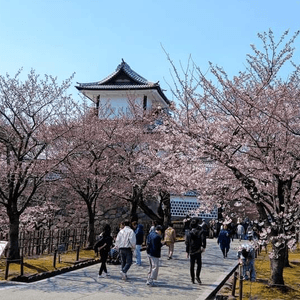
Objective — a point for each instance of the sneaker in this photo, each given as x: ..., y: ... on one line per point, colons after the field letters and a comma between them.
x: 124, y: 277
x: 102, y: 275
x: 150, y: 283
x: 169, y: 257
x: 198, y: 280
x: 107, y: 274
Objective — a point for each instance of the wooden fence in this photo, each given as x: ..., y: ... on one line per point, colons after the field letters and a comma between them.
x: 47, y: 241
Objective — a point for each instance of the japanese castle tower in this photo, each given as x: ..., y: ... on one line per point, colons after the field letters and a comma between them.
x: 115, y: 90
x: 124, y: 84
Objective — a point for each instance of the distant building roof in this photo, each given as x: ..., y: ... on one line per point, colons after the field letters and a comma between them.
x: 123, y: 78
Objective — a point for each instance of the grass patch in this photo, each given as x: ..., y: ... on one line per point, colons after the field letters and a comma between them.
x: 44, y: 263
x: 261, y: 289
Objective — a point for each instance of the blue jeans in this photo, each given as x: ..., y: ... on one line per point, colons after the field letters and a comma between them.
x: 138, y: 254
x: 126, y: 259
x: 248, y: 267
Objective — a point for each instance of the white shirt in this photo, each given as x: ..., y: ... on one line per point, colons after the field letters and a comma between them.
x: 126, y: 238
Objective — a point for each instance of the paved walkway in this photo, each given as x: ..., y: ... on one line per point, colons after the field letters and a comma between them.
x: 173, y: 281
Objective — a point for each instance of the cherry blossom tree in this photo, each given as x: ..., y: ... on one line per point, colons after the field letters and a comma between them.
x: 248, y: 127
x: 141, y: 175
x: 136, y: 175
x: 31, y: 114
x: 87, y: 170
x: 112, y: 162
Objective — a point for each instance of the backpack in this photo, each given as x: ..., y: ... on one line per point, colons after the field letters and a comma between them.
x: 195, y: 240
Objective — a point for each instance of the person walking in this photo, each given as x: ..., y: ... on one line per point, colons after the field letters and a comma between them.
x: 204, y: 227
x: 169, y: 239
x: 224, y: 240
x: 154, y: 245
x: 240, y: 231
x: 125, y: 243
x: 211, y: 229
x: 195, y: 246
x: 104, y: 245
x: 139, y: 234
x: 249, y: 231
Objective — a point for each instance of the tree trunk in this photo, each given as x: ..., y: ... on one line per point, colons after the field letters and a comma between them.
x: 164, y: 210
x: 166, y: 207
x: 13, y: 248
x: 91, y: 230
x: 277, y: 265
x: 286, y: 257
x: 150, y: 213
x: 138, y: 201
x: 135, y: 199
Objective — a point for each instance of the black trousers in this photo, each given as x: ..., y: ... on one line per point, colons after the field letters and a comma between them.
x: 195, y: 258
x: 104, y: 256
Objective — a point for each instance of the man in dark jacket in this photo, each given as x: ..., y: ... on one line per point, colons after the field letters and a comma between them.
x: 139, y: 234
x: 195, y: 245
x: 224, y: 240
x: 154, y: 245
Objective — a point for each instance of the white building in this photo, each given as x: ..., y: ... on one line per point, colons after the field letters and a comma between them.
x: 121, y: 86
x: 188, y: 204
x: 115, y: 90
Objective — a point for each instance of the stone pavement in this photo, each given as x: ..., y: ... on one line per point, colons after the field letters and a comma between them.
x: 173, y: 280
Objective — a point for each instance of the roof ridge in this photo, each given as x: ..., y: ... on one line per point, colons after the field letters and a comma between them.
x: 123, y: 65
x: 125, y: 68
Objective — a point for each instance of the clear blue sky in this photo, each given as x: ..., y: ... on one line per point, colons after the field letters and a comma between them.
x: 90, y: 37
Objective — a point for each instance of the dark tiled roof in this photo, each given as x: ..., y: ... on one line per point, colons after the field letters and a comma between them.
x: 130, y: 73
x: 124, y: 78
x: 96, y: 86
x: 121, y: 67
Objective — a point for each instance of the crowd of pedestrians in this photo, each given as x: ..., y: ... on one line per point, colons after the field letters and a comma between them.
x: 247, y: 232
x: 130, y: 237
x: 128, y: 244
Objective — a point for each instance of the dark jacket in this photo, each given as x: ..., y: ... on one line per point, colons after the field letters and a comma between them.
x: 139, y: 234
x: 195, y: 240
x: 224, y: 239
x: 106, y: 240
x: 154, y: 244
